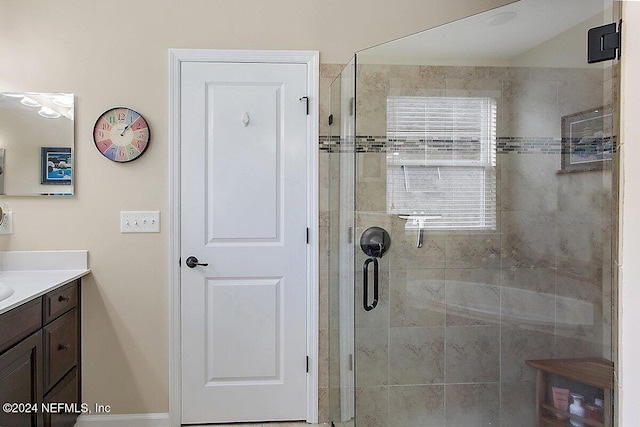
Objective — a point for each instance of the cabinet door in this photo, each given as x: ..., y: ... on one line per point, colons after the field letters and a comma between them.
x: 21, y: 382
x: 65, y: 392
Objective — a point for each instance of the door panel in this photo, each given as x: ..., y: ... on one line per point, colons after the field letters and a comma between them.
x: 244, y: 346
x: 232, y: 203
x: 243, y: 214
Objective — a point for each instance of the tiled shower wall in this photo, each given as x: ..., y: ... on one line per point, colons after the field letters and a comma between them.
x: 458, y: 317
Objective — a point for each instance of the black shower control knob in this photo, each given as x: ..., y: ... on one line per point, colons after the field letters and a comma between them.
x: 375, y: 241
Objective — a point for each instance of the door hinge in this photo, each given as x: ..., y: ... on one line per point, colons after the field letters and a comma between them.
x: 307, y: 364
x: 351, y: 362
x: 604, y: 43
x: 350, y: 235
x: 306, y: 98
x: 330, y: 119
x: 307, y: 235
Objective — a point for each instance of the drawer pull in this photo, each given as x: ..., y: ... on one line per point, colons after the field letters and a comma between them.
x: 63, y: 347
x: 64, y: 298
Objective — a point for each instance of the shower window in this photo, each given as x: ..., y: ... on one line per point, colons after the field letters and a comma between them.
x: 441, y: 160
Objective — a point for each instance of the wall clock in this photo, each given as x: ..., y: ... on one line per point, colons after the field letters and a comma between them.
x: 121, y: 134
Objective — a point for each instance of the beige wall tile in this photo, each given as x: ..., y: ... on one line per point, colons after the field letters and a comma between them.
x: 417, y: 298
x: 372, y: 406
x: 472, y: 354
x: 472, y: 405
x: 414, y: 406
x: 516, y: 408
x: 416, y: 356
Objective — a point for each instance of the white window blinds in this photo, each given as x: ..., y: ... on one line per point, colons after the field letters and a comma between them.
x: 441, y: 158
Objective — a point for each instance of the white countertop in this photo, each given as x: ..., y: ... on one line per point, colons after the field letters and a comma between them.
x: 34, y: 273
x: 28, y: 285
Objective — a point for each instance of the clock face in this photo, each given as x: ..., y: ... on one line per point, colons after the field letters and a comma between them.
x: 121, y: 134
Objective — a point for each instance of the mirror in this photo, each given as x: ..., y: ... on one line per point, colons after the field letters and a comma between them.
x: 36, y: 144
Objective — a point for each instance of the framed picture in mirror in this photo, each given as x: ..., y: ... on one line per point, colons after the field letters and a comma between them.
x: 56, y: 165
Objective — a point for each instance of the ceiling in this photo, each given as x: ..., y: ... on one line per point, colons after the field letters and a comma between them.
x: 484, y: 39
x: 48, y: 105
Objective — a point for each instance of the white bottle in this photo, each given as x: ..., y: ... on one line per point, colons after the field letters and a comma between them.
x: 576, y: 408
x: 599, y: 399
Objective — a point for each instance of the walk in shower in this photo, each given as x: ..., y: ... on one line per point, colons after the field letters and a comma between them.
x: 473, y: 221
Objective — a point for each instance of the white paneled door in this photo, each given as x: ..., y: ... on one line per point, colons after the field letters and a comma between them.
x: 243, y: 216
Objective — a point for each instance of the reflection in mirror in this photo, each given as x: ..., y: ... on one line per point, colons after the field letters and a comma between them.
x: 36, y: 144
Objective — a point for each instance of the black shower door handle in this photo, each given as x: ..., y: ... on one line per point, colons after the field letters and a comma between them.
x: 365, y: 290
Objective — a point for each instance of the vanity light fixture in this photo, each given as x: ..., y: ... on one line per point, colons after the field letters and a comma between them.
x: 49, y: 113
x: 13, y: 94
x: 29, y: 102
x: 63, y: 101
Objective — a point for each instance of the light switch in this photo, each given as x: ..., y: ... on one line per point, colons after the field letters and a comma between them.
x: 140, y: 221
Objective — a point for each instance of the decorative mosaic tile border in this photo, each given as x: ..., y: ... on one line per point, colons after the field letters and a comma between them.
x: 505, y: 145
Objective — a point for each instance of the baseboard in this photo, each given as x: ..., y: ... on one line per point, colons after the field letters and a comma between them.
x: 128, y: 420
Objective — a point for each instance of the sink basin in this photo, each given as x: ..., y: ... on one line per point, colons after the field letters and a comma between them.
x: 5, y: 291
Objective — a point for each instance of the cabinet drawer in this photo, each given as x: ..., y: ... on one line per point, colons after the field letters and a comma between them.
x: 20, y: 322
x: 66, y: 392
x: 60, y: 347
x: 60, y: 301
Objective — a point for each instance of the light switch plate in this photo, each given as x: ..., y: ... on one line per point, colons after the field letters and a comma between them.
x: 7, y: 224
x: 140, y: 221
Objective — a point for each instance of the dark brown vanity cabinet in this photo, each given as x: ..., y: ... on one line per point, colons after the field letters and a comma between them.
x: 40, y: 360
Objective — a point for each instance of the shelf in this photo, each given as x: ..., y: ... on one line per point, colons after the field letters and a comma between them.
x: 592, y: 371
x: 557, y: 422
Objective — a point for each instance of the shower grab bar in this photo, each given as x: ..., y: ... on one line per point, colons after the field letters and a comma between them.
x: 365, y: 292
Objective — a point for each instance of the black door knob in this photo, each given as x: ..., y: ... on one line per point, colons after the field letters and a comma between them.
x: 193, y: 261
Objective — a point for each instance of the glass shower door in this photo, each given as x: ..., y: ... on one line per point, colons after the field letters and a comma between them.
x: 486, y: 149
x: 341, y: 248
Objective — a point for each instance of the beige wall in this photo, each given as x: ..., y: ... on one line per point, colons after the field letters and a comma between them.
x: 115, y: 53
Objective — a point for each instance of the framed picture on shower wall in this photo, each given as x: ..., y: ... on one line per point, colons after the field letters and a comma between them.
x: 587, y: 140
x: 56, y: 165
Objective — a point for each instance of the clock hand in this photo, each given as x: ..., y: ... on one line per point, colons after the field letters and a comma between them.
x: 125, y: 129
